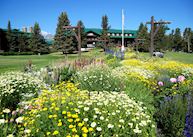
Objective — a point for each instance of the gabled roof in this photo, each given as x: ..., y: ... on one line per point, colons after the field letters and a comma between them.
x: 115, y: 31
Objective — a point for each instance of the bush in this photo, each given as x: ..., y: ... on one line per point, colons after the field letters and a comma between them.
x: 16, y: 53
x: 99, y: 78
x: 69, y: 112
x: 170, y: 116
x: 114, y: 62
x: 16, y: 87
x: 66, y: 73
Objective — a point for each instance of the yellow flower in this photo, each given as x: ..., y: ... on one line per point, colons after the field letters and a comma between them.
x: 69, y: 115
x: 90, y: 129
x: 55, y: 116
x: 70, y: 120
x: 55, y: 132
x: 68, y: 136
x: 76, y: 135
x: 74, y: 130
x: 44, y: 109
x: 85, y: 130
x: 84, y: 135
x: 60, y: 124
x: 78, y: 119
x: 74, y: 116
x: 71, y: 126
x: 50, y: 116
x: 80, y: 124
x: 56, y: 108
x: 48, y: 133
x: 63, y: 112
x: 53, y: 104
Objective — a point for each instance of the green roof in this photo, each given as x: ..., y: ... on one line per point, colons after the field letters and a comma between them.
x: 115, y: 31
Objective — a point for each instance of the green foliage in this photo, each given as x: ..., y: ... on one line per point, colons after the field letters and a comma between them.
x: 66, y: 73
x: 177, y: 38
x: 11, y: 39
x: 140, y: 92
x: 170, y: 116
x: 83, y: 34
x: 16, y: 53
x: 112, y: 61
x: 99, y: 78
x: 160, y: 38
x: 143, y: 34
x: 105, y: 27
x: 64, y: 37
x: 37, y: 41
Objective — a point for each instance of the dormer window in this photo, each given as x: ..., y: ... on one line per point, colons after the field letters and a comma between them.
x: 117, y: 34
x: 109, y: 34
x: 113, y: 34
x: 126, y: 34
x: 130, y: 35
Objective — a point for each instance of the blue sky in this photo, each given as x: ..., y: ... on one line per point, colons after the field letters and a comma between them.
x: 25, y: 12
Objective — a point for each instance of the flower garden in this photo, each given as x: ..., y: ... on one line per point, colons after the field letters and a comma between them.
x: 134, y: 97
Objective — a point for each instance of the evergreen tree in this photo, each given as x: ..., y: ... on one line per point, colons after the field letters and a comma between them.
x: 37, y: 41
x: 187, y: 35
x: 11, y: 39
x: 64, y: 37
x: 82, y: 33
x: 144, y: 35
x: 23, y: 43
x: 105, y: 27
x: 177, y: 38
x: 160, y: 38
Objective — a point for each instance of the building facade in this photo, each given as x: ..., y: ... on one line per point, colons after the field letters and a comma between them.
x: 115, y: 35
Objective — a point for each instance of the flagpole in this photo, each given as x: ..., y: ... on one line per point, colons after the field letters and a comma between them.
x: 122, y: 47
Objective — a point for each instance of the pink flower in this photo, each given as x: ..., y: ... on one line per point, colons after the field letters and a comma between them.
x: 181, y: 78
x: 173, y: 80
x: 160, y: 83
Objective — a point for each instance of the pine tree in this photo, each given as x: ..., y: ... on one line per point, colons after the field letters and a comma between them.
x: 37, y: 41
x: 187, y: 39
x: 11, y: 39
x: 105, y: 27
x: 22, y: 43
x: 82, y: 33
x: 143, y: 34
x: 177, y: 38
x: 160, y: 38
x: 64, y: 37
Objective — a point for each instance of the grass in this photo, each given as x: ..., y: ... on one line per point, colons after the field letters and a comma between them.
x: 17, y: 63
x: 176, y: 56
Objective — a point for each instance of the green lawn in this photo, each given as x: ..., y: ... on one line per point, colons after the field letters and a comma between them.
x: 13, y: 63
x: 176, y: 56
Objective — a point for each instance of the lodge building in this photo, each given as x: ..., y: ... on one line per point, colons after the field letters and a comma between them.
x: 115, y: 35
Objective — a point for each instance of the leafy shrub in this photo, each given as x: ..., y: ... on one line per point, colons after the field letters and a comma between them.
x: 16, y: 87
x: 170, y: 116
x: 99, y: 78
x: 66, y: 73
x: 16, y: 53
x: 68, y: 112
